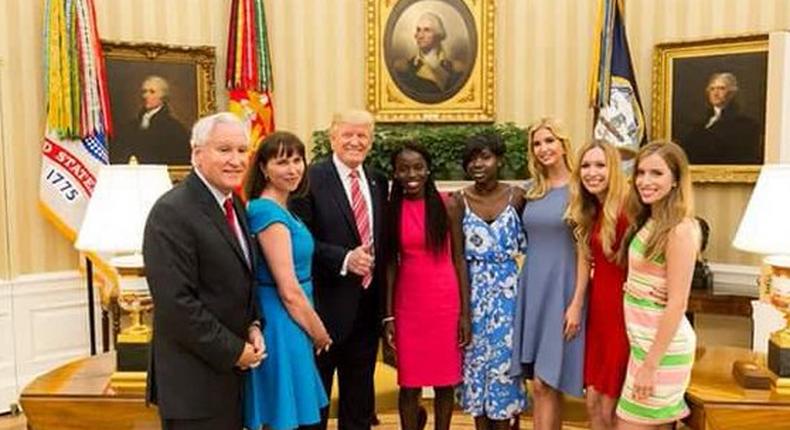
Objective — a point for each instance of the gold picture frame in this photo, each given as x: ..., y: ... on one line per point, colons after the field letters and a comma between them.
x: 187, y: 76
x: 728, y: 146
x: 446, y: 78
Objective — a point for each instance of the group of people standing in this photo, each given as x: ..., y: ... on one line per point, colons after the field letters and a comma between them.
x: 577, y: 282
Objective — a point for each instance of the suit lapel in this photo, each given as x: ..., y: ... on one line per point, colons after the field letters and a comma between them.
x: 340, y: 198
x: 211, y: 209
x: 374, y: 189
x: 245, y: 230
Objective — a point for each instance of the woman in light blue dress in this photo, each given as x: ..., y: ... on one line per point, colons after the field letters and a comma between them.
x: 548, y: 341
x: 285, y: 391
x: 492, y: 238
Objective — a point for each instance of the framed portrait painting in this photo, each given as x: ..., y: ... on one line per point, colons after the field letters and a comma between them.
x: 156, y: 93
x: 709, y: 96
x: 430, y: 60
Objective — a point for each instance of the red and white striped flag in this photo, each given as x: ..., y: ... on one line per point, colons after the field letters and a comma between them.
x: 78, y: 120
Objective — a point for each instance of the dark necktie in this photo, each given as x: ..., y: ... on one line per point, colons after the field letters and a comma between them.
x: 230, y: 216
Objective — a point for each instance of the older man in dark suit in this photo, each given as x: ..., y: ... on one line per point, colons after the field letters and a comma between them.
x: 344, y: 209
x: 199, y: 267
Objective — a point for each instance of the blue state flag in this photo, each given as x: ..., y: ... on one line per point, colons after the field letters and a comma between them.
x: 619, y: 118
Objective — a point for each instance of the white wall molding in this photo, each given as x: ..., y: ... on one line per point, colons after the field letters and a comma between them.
x: 8, y: 382
x: 43, y: 324
x: 735, y: 279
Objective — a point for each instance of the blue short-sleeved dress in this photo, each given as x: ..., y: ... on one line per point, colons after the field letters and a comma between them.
x: 285, y: 391
x: 546, y: 286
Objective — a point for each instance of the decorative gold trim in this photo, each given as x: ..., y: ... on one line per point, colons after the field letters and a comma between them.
x: 204, y: 59
x: 712, y: 173
x: 128, y: 382
x: 474, y: 102
x: 661, y: 118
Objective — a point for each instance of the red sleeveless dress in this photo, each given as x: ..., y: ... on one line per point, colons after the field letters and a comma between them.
x: 606, y: 348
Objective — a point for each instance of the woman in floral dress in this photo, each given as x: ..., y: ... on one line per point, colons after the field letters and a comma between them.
x: 492, y: 240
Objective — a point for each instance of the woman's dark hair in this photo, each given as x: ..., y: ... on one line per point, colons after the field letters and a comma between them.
x: 275, y: 145
x: 436, y: 220
x: 476, y: 143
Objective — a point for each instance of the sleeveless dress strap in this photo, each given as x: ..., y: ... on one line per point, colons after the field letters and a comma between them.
x: 466, y: 203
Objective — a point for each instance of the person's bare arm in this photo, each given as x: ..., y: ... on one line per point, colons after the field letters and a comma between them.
x: 389, y: 311
x: 455, y: 211
x: 573, y: 315
x: 275, y: 242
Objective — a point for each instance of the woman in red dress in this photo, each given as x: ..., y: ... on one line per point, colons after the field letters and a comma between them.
x: 596, y: 212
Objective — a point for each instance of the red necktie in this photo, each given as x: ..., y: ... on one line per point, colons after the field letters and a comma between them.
x: 360, y: 208
x: 230, y: 216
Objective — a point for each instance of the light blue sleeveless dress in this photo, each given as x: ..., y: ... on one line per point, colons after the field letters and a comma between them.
x: 546, y: 286
x: 491, y: 251
x: 285, y: 391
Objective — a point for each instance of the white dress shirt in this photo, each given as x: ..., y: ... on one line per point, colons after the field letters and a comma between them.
x: 344, y: 171
x: 145, y: 122
x: 714, y: 118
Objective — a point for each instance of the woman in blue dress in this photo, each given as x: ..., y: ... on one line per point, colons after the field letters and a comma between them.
x: 548, y: 340
x: 492, y: 239
x: 285, y: 391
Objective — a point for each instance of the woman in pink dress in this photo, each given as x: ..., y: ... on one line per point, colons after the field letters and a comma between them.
x: 427, y: 320
x: 596, y: 210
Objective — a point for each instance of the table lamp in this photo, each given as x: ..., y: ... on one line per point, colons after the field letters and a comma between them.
x: 765, y: 229
x: 113, y: 228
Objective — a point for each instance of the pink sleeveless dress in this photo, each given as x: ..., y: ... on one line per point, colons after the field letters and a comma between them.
x: 427, y: 307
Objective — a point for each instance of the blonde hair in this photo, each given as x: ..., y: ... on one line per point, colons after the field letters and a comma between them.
x: 354, y: 117
x: 539, y: 185
x: 583, y: 206
x: 670, y: 211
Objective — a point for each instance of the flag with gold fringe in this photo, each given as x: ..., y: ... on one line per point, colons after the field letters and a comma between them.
x: 249, y: 71
x: 614, y: 96
x: 77, y: 112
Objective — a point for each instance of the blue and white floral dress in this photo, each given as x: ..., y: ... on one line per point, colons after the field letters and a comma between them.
x: 491, y: 250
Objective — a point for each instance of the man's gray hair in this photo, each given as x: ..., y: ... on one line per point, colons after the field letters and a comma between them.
x: 204, y: 126
x: 728, y: 78
x: 436, y: 23
x: 159, y: 82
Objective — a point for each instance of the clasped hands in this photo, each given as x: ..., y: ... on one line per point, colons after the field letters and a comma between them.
x: 254, y: 349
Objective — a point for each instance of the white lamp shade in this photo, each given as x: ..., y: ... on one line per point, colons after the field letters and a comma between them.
x: 765, y: 226
x: 119, y: 206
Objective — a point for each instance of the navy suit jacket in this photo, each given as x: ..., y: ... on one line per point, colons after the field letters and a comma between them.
x: 325, y: 209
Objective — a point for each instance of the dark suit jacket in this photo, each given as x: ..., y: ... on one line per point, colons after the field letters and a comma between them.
x: 165, y: 141
x: 733, y: 139
x: 202, y: 288
x: 327, y: 213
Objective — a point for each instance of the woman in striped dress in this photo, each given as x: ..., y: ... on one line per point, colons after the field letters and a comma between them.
x: 661, y: 257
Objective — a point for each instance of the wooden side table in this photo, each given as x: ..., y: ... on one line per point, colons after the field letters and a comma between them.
x: 717, y: 402
x: 77, y: 396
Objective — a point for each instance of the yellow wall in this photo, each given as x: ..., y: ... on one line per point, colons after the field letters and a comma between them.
x: 4, y: 243
x: 318, y: 53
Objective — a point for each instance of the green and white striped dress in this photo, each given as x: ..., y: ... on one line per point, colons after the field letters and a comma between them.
x: 644, y: 302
